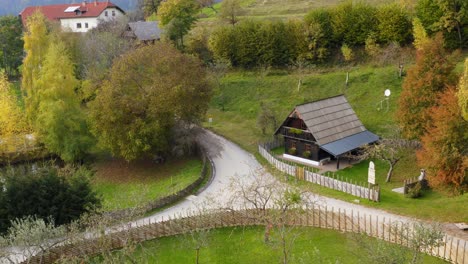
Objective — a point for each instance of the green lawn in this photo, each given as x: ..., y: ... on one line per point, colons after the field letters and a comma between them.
x: 242, y: 92
x: 123, y: 185
x: 246, y: 245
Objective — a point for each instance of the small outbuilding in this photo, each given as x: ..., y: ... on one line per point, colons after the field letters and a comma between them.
x: 145, y: 32
x: 322, y: 130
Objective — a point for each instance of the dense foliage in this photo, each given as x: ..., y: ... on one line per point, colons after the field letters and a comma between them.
x: 11, y: 117
x: 447, y: 16
x: 177, y: 16
x: 266, y: 43
x: 445, y: 144
x: 36, y: 43
x: 133, y: 113
x: 250, y: 43
x: 11, y: 44
x: 425, y: 82
x: 60, y: 122
x: 62, y: 195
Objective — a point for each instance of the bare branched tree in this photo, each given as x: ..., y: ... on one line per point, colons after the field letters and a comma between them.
x: 276, y: 206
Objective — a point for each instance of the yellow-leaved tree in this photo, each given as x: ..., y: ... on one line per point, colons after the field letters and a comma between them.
x: 11, y: 116
x: 463, y: 92
x: 419, y: 34
x: 36, y: 42
x: 60, y: 121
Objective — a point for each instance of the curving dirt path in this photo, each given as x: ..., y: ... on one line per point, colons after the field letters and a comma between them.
x: 230, y: 161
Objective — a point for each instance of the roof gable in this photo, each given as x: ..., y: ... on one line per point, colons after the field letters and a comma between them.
x: 145, y: 30
x: 63, y: 11
x: 330, y: 119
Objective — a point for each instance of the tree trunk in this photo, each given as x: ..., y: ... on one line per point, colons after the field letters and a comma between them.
x: 390, y: 171
x: 198, y: 254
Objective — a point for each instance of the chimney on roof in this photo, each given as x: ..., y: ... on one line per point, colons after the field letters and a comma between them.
x: 95, y: 2
x: 84, y: 3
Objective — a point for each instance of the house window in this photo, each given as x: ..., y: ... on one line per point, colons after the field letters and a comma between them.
x: 86, y: 25
x: 113, y: 13
x: 78, y: 25
x: 308, y: 147
x: 106, y: 13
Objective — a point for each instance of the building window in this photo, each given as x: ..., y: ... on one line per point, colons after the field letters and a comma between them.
x: 106, y: 13
x: 78, y: 25
x: 308, y: 147
x: 113, y: 13
x: 86, y: 25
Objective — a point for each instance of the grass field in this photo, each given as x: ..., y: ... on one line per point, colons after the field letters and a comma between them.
x: 123, y: 185
x: 246, y: 245
x: 242, y: 92
x: 280, y: 9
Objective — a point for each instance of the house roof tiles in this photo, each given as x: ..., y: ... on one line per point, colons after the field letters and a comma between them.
x: 56, y: 12
x: 334, y: 125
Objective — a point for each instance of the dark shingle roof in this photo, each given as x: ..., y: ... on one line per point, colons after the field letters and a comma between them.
x: 334, y: 125
x: 330, y: 119
x: 145, y: 30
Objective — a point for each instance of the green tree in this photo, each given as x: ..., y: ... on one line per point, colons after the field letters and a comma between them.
x: 45, y: 193
x: 11, y: 44
x: 179, y: 15
x: 318, y: 30
x: 447, y: 16
x: 353, y: 22
x: 393, y: 24
x: 150, y: 7
x: 61, y: 123
x: 36, y: 43
x: 230, y: 11
x: 134, y: 112
x: 425, y: 81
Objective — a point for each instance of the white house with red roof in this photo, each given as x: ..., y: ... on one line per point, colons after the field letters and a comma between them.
x: 76, y: 17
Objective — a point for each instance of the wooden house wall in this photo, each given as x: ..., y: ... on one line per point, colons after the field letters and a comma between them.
x: 317, y: 154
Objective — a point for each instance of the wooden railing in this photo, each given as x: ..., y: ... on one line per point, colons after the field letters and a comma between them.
x: 297, y: 133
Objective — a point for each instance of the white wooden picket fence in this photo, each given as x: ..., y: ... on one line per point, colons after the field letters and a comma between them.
x: 340, y: 184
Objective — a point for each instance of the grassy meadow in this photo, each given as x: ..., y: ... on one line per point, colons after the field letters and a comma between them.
x: 279, y: 9
x: 123, y: 185
x: 242, y: 92
x: 246, y: 245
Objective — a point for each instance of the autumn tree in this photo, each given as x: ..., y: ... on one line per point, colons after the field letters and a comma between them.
x: 36, y: 43
x: 425, y: 81
x: 11, y: 116
x: 178, y: 16
x: 60, y: 122
x: 463, y: 92
x: 133, y: 113
x: 11, y: 44
x: 230, y: 11
x: 445, y: 144
x: 419, y: 34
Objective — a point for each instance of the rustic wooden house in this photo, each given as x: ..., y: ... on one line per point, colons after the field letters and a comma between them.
x: 145, y: 32
x: 323, y: 130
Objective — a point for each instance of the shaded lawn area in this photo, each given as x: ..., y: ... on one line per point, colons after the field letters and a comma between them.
x: 123, y: 185
x: 246, y: 245
x: 241, y: 93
